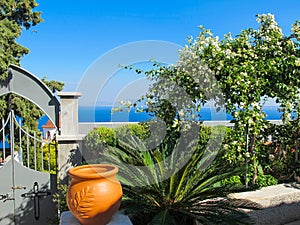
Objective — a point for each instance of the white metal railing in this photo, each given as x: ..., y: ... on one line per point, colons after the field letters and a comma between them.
x: 9, y: 126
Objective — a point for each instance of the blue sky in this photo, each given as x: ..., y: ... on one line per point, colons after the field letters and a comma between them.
x: 75, y: 34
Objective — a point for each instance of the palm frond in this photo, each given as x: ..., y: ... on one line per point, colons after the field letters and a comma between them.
x: 223, y: 211
x: 162, y: 190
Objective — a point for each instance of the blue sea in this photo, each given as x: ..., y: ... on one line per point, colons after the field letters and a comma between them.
x: 103, y: 114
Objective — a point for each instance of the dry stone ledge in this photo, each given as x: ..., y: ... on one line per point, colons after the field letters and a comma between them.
x: 280, y: 204
x: 119, y: 218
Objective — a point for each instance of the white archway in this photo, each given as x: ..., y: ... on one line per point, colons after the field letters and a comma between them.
x: 26, y: 85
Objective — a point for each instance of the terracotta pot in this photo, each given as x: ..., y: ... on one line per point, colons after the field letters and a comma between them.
x: 94, y: 194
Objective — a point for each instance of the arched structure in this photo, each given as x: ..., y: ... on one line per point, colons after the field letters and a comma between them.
x: 26, y: 85
x: 25, y: 179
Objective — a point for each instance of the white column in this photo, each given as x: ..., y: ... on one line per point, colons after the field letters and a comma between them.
x: 68, y: 138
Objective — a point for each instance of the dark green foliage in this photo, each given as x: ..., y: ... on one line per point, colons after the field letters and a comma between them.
x: 21, y: 12
x: 281, y: 156
x: 10, y: 51
x: 60, y: 198
x: 53, y: 84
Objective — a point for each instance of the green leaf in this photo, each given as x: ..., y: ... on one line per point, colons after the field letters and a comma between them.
x: 163, y: 218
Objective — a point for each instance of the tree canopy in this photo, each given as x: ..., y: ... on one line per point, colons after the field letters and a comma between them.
x: 240, y: 73
x: 15, y: 17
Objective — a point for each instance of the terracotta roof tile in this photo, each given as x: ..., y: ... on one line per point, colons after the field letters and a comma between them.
x: 49, y: 124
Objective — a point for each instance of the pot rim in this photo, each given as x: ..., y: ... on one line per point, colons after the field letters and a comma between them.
x: 90, y: 171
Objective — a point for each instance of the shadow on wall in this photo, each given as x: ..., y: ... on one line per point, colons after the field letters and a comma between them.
x: 83, y: 155
x: 76, y: 157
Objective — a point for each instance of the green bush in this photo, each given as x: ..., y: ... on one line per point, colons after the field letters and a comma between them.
x: 100, y: 137
x: 139, y: 130
x: 265, y: 180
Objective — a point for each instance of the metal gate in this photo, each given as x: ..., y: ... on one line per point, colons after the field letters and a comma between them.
x: 27, y: 184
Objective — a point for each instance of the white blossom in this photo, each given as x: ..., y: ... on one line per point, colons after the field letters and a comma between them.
x: 297, y: 62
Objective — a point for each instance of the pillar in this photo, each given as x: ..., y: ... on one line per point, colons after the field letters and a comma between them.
x: 69, y: 140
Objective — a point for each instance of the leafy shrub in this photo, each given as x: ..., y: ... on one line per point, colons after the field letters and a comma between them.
x: 49, y: 150
x: 100, y: 137
x: 60, y: 198
x: 265, y: 180
x: 204, y: 135
x: 139, y: 130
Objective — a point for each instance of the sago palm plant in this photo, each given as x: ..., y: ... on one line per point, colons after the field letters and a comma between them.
x: 163, y: 187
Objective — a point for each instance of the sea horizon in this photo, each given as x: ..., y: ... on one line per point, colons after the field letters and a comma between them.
x: 103, y: 113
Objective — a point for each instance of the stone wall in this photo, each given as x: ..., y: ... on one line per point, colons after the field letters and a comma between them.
x: 280, y: 204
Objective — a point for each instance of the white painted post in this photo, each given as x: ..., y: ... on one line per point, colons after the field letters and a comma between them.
x: 68, y: 138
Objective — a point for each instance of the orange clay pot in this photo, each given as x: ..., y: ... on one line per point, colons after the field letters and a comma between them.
x: 94, y: 194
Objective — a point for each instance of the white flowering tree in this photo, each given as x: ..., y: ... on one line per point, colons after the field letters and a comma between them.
x: 250, y: 68
x: 241, y: 73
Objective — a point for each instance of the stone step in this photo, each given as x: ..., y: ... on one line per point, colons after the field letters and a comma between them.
x: 280, y: 204
x: 119, y: 218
